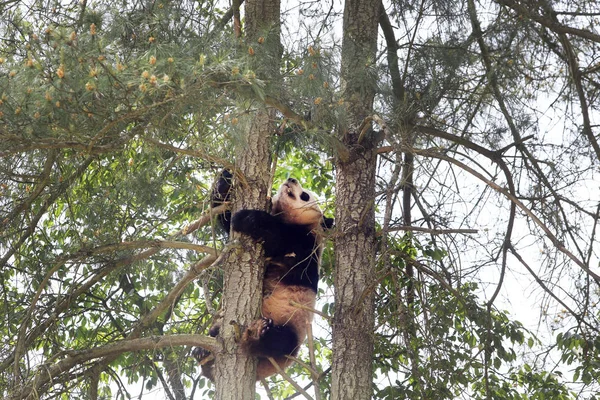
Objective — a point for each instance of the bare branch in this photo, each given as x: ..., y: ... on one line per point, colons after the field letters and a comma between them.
x: 287, y: 378
x: 527, y: 11
x: 576, y: 76
x: 557, y: 243
x: 431, y: 231
x: 547, y: 289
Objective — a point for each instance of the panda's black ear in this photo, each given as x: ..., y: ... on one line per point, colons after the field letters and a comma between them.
x: 327, y: 223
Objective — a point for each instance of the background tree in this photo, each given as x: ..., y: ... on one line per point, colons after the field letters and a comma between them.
x: 353, y: 320
x: 116, y: 118
x: 469, y: 102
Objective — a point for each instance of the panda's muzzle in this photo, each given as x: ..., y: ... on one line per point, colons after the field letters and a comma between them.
x: 288, y: 189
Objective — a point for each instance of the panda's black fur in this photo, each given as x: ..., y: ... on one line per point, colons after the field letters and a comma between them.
x: 291, y: 236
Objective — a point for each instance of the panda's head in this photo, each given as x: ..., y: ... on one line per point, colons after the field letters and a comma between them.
x: 295, y: 205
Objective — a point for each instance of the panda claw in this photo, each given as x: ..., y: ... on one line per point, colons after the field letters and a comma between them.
x: 257, y: 330
x: 201, y: 355
x: 267, y: 324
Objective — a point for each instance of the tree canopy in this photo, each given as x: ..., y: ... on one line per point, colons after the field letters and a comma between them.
x: 482, y: 120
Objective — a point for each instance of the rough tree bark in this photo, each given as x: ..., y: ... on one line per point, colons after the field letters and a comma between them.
x: 243, y: 271
x: 235, y: 375
x: 353, y: 322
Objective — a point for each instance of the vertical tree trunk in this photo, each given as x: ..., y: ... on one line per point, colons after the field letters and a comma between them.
x: 243, y: 271
x: 235, y: 376
x: 355, y: 215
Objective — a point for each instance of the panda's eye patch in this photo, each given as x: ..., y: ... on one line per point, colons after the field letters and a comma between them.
x: 305, y: 196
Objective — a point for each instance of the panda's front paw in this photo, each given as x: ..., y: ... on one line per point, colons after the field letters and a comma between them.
x: 201, y: 355
x: 257, y: 330
x: 264, y: 326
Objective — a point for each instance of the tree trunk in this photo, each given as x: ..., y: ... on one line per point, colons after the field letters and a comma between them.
x: 235, y: 376
x: 353, y: 322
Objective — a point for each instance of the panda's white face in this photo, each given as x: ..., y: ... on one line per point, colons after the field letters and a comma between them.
x: 296, y: 205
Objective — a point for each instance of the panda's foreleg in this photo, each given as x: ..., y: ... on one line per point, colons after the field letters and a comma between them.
x: 204, y: 357
x: 260, y: 226
x: 264, y: 339
x: 222, y: 193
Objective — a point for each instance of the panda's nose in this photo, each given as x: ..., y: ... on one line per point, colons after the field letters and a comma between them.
x: 292, y: 180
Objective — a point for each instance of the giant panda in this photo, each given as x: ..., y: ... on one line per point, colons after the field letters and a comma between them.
x: 291, y: 235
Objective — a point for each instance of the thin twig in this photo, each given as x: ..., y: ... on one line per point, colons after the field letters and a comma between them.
x: 303, y: 307
x: 287, y: 378
x: 431, y: 231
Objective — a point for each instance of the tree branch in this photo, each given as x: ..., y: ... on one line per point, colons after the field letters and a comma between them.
x: 47, y: 373
x: 557, y: 243
x: 431, y: 231
x: 64, y: 302
x: 576, y: 76
x: 287, y: 378
x: 554, y: 25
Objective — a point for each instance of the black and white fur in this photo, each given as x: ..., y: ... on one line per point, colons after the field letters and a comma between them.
x: 291, y: 236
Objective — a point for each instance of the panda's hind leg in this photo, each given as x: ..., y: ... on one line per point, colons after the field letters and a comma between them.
x: 204, y: 357
x: 206, y: 361
x: 264, y: 339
